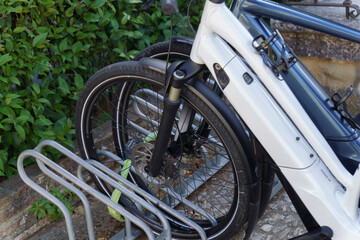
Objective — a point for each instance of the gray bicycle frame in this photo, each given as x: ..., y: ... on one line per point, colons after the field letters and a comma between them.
x: 314, y: 99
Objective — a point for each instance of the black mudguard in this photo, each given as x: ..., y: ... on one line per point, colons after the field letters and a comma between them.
x: 245, y: 141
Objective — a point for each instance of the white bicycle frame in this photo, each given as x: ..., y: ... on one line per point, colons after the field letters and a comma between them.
x: 279, y: 122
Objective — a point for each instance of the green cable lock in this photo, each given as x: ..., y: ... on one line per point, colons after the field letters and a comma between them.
x: 151, y: 137
x: 115, y: 196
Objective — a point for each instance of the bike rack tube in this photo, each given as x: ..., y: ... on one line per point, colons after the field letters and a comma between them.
x: 108, y: 176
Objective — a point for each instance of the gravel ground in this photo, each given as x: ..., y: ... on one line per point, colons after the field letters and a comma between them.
x: 104, y: 225
x: 280, y: 221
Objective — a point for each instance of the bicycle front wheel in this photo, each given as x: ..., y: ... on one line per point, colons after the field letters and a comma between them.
x: 204, y: 163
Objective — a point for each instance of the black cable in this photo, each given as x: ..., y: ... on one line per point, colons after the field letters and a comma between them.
x: 188, y: 18
x: 147, y: 4
x: 184, y: 28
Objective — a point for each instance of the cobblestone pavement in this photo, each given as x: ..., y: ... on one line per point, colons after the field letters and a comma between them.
x: 280, y: 221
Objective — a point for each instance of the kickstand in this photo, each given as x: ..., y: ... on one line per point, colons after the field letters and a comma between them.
x: 321, y: 233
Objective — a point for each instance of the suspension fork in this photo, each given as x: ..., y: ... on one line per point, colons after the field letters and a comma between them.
x: 185, y: 72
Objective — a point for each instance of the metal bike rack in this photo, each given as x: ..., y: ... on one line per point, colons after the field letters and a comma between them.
x: 109, y: 177
x: 127, y: 188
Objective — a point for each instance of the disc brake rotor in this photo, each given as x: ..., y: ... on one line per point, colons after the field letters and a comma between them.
x: 141, y: 155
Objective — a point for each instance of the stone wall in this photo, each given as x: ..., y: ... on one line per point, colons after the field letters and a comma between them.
x: 334, y: 74
x: 334, y: 62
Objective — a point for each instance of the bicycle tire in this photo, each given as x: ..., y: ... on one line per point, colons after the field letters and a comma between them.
x: 127, y: 73
x: 179, y: 51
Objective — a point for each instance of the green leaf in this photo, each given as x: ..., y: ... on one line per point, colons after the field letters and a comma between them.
x: 79, y: 81
x: 19, y: 29
x: 116, y: 36
x: 13, y: 95
x: 59, y: 29
x: 52, y: 11
x: 114, y: 24
x: 63, y: 85
x: 15, y: 80
x: 137, y: 35
x: 91, y: 27
x: 125, y: 18
x: 20, y: 130
x: 112, y: 7
x: 69, y: 12
x: 80, y: 35
x: 40, y: 213
x: 49, y: 133
x: 9, y: 171
x: 25, y: 113
x: 9, y: 44
x: 102, y: 35
x: 7, y: 120
x: 5, y: 58
x: 14, y: 105
x: 2, y: 168
x: 47, y: 3
x: 63, y: 45
x: 7, y: 111
x: 97, y: 4
x: 46, y: 91
x: 22, y: 119
x: 91, y: 17
x: 38, y: 40
x: 42, y: 121
x: 71, y: 30
x: 77, y: 47
x: 44, y: 100
x: 42, y: 29
x: 3, y: 79
x: 36, y: 88
x: 132, y: 53
x: 12, y: 162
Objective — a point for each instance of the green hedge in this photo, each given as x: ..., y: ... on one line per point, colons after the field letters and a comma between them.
x: 48, y: 48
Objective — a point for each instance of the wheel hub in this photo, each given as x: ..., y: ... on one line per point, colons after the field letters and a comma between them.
x: 141, y: 155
